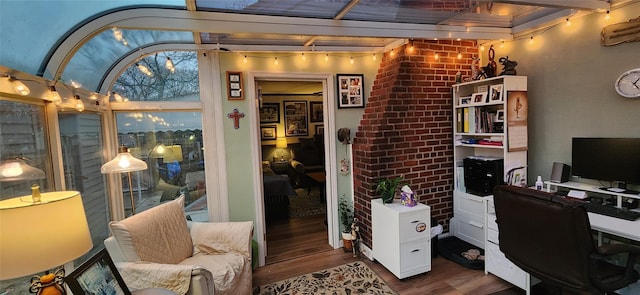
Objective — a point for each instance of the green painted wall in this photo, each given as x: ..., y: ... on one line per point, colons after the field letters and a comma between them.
x: 238, y: 141
x: 571, y: 93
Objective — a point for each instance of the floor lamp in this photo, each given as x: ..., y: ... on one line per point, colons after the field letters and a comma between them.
x: 125, y: 162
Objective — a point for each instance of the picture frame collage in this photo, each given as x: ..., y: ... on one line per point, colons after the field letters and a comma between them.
x: 297, y: 114
x: 486, y: 94
x: 350, y: 90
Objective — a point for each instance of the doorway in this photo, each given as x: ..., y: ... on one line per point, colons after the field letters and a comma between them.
x: 293, y: 153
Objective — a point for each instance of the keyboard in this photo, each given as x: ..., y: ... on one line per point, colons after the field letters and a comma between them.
x: 612, y: 211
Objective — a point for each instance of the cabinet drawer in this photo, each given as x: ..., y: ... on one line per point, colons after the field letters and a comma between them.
x: 499, y: 265
x: 469, y: 230
x: 414, y: 255
x: 414, y: 226
x: 469, y: 205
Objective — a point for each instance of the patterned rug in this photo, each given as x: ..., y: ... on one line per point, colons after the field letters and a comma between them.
x: 306, y: 204
x: 350, y: 278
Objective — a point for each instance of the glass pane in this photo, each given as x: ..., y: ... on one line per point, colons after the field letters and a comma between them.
x: 22, y: 135
x: 171, y: 144
x: 82, y: 147
x: 170, y: 76
x: 103, y: 50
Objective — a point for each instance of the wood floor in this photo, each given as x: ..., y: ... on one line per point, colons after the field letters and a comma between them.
x: 290, y: 256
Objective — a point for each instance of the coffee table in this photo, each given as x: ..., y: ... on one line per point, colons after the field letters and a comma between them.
x: 320, y: 179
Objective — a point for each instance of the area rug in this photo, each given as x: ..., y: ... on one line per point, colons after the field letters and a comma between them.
x: 350, y: 278
x: 306, y: 204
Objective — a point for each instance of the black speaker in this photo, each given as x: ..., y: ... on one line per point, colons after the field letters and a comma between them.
x: 560, y: 172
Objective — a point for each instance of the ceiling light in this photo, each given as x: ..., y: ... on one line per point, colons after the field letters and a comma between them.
x: 54, y: 96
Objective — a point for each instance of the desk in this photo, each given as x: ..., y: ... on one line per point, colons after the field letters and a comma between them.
x: 602, y: 223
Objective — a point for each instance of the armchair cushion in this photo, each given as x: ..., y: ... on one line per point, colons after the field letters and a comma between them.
x: 159, y: 234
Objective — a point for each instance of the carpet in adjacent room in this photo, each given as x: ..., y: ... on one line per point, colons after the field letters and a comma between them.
x: 306, y: 203
x: 350, y: 278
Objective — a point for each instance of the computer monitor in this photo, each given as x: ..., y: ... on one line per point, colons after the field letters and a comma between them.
x: 607, y: 159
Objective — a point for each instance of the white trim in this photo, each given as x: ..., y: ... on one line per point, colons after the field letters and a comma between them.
x: 329, y: 142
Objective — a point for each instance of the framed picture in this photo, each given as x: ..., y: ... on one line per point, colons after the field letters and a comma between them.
x: 500, y: 116
x: 270, y: 112
x: 319, y: 129
x: 97, y: 274
x: 479, y: 98
x: 495, y: 93
x: 315, y: 111
x: 268, y: 132
x: 234, y: 86
x: 465, y: 100
x: 350, y: 90
x: 517, y: 117
x: 295, y: 118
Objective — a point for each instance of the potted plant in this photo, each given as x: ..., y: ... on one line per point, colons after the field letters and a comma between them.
x: 387, y: 187
x: 345, y: 209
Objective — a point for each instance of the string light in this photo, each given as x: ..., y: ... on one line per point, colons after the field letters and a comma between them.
x: 79, y: 103
x: 568, y: 22
x: 304, y: 58
x: 54, y: 96
x: 117, y: 34
x: 169, y: 65
x: 275, y: 60
x: 326, y: 57
x: 459, y: 55
x: 392, y: 53
x: 436, y: 56
x: 502, y: 44
x: 607, y: 16
x: 481, y: 47
x: 244, y: 60
x: 411, y: 46
x: 75, y: 84
x: 374, y: 57
x: 144, y: 69
x: 531, y: 40
x: 351, y: 61
x: 18, y: 86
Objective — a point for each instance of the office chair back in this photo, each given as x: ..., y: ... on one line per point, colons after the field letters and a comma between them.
x: 547, y: 236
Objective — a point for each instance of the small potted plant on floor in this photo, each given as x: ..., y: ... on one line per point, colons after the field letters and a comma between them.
x: 345, y: 209
x: 387, y: 187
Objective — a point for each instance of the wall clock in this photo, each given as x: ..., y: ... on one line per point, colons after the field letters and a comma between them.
x: 628, y: 84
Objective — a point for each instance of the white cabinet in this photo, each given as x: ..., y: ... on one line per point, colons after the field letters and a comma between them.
x: 401, y: 237
x: 490, y: 122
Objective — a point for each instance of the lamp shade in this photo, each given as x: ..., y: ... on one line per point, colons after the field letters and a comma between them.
x: 281, y: 143
x: 35, y: 237
x: 17, y: 169
x: 123, y: 162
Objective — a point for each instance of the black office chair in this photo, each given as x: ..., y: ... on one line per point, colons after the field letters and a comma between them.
x: 550, y: 238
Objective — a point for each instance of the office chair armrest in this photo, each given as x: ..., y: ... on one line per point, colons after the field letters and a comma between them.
x: 608, y: 250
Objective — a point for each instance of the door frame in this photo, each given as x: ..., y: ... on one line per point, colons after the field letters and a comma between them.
x: 329, y: 106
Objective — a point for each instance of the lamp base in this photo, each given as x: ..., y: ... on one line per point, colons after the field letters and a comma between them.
x: 48, y: 284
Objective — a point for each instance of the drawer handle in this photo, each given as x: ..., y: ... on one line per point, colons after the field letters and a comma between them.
x: 478, y: 225
x: 416, y: 250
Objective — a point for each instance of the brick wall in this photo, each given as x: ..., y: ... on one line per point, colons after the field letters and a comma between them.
x: 406, y: 127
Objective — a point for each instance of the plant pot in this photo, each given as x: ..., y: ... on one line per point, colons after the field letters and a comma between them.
x: 347, y: 242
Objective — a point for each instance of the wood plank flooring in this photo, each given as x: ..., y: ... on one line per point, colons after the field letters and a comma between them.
x: 304, y: 248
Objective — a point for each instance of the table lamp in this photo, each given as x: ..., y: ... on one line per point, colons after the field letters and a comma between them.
x: 125, y: 162
x: 281, y: 143
x: 36, y: 236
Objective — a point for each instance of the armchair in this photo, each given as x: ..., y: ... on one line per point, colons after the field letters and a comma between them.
x: 550, y: 238
x: 158, y: 248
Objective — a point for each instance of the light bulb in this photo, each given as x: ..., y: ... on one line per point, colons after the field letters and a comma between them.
x: 436, y: 56
x: 502, y: 44
x: 75, y: 84
x: 568, y: 22
x: 11, y: 169
x: 531, y: 40
x: 124, y: 161
x: 459, y: 55
x: 481, y: 47
x: 79, y: 103
x: 351, y: 60
x: 326, y: 57
x: 304, y: 57
x: 144, y: 70
x: 244, y: 60
x: 392, y: 53
x: 275, y: 60
x: 607, y: 16
x: 374, y: 57
x: 169, y: 65
x: 117, y: 34
x: 54, y: 96
x: 19, y: 87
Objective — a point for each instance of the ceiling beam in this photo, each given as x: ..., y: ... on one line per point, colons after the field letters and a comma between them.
x: 592, y: 5
x: 346, y: 9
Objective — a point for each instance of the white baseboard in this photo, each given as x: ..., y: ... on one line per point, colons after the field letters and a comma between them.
x: 366, y: 252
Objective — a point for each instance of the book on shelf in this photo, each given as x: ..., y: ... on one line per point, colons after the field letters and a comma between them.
x: 465, y: 121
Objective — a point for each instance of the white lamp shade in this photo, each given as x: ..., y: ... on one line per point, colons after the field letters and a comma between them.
x: 17, y: 169
x: 124, y: 162
x: 281, y: 143
x: 35, y: 237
